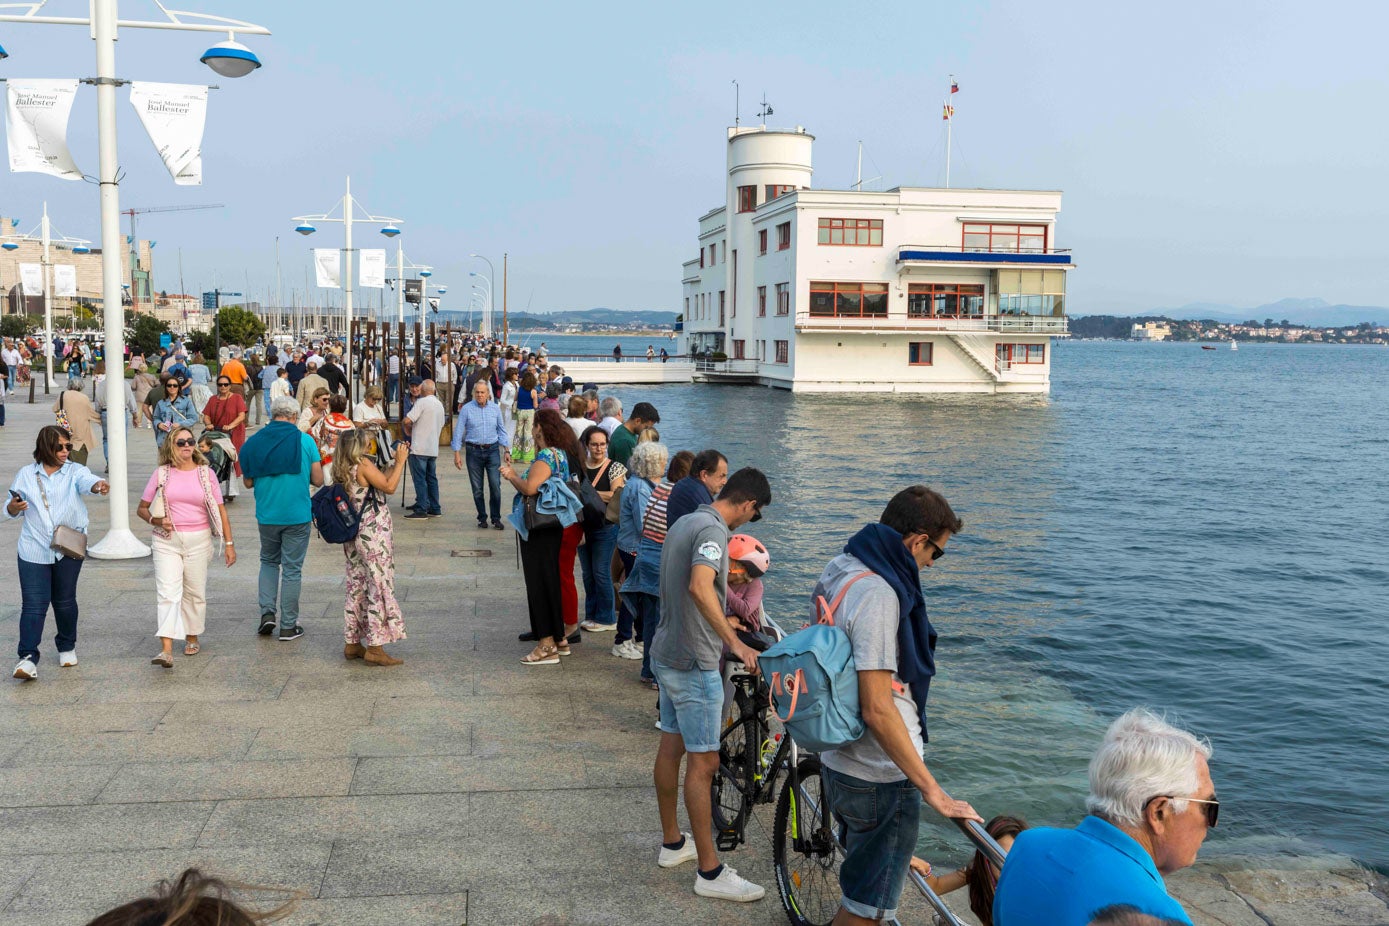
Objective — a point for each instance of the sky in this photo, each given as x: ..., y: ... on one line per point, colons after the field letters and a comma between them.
x: 1208, y: 152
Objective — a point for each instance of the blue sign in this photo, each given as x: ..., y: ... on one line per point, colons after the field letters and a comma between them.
x: 165, y: 339
x: 210, y: 299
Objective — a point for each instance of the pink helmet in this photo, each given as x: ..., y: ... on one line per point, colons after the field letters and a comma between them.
x: 750, y: 553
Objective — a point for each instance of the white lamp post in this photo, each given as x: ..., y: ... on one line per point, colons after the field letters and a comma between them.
x: 45, y: 237
x: 402, y: 265
x: 349, y: 215
x: 491, y: 279
x: 228, y: 59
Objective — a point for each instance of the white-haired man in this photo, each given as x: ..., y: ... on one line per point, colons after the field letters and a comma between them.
x: 1151, y: 805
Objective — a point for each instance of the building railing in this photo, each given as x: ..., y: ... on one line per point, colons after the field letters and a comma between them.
x: 960, y: 253
x: 703, y: 365
x: 1007, y: 324
x: 1016, y: 370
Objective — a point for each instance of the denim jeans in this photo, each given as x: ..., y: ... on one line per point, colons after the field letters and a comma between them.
x: 41, y: 585
x: 646, y: 612
x: 9, y: 379
x: 880, y: 821
x: 626, y: 617
x: 391, y: 382
x: 489, y: 460
x: 595, y: 558
x: 424, y: 473
x: 282, y: 551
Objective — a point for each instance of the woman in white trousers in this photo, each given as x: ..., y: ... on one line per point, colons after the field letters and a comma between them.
x: 183, y: 503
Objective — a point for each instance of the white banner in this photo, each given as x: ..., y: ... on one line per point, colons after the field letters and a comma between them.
x: 31, y: 279
x: 64, y: 280
x: 373, y: 268
x: 36, y: 126
x: 327, y: 264
x: 173, y: 116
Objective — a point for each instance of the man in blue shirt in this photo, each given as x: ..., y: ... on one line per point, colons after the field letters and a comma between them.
x: 708, y: 473
x: 480, y: 426
x: 1151, y: 805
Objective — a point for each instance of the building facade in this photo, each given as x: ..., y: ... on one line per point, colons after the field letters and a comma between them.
x: 137, y: 266
x: 908, y: 290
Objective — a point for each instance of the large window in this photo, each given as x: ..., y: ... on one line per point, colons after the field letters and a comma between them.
x: 778, y: 189
x: 851, y: 300
x: 783, y: 299
x: 739, y: 348
x: 1009, y: 354
x: 762, y: 241
x: 747, y: 198
x: 1024, y: 238
x: 1031, y: 292
x: 783, y: 236
x: 858, y: 232
x: 781, y: 351
x: 919, y: 353
x: 723, y: 305
x: 945, y: 300
x: 761, y: 302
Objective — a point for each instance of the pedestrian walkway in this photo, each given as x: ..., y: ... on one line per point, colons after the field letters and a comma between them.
x: 461, y: 787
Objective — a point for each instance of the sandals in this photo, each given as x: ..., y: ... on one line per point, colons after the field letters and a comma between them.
x: 541, y: 656
x: 163, y: 659
x: 191, y: 648
x: 563, y: 648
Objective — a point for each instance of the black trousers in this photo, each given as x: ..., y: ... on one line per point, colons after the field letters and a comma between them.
x: 540, y: 566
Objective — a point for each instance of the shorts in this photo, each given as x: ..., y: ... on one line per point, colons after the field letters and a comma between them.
x: 880, y: 828
x: 691, y: 705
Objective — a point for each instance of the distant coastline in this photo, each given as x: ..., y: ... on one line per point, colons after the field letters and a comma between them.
x: 1164, y: 328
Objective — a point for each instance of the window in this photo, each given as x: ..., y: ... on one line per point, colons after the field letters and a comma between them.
x: 701, y: 256
x: 1009, y: 354
x: 919, y: 353
x: 945, y: 300
x: 739, y: 350
x: 778, y: 189
x: 857, y: 232
x: 723, y: 304
x: 762, y: 241
x: 1031, y: 292
x: 781, y: 351
x: 853, y: 300
x: 783, y: 236
x: 761, y: 302
x: 1024, y: 238
x: 783, y: 298
x: 747, y: 198
x: 686, y: 317
x: 712, y: 259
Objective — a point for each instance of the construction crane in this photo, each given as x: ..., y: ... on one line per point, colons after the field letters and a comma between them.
x: 135, y: 241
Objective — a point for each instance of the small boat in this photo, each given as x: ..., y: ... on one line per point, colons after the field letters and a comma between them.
x: 1234, y: 345
x: 1207, y: 347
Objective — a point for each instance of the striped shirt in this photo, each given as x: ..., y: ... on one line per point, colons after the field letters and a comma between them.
x: 653, y: 524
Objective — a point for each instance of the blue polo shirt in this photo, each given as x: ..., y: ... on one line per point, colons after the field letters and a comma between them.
x: 1057, y: 877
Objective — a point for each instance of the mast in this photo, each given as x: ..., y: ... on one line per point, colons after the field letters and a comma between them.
x: 858, y: 171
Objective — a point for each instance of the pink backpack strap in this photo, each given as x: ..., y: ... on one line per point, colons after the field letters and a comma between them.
x: 828, y: 611
x: 791, y: 685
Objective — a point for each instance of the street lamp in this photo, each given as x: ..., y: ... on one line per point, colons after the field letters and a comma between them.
x: 349, y: 215
x: 486, y: 327
x: 104, y: 23
x: 45, y: 237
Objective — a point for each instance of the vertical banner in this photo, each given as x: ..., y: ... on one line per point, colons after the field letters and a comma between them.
x: 173, y: 116
x: 36, y: 126
x: 64, y: 280
x: 373, y: 273
x: 327, y: 265
x: 31, y: 279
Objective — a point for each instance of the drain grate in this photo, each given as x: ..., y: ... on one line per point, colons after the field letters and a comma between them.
x: 467, y: 553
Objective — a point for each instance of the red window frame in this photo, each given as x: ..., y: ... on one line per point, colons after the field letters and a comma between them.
x: 819, y: 289
x: 783, y: 299
x: 858, y: 233
x: 947, y: 294
x: 747, y: 198
x: 917, y: 349
x: 1002, y: 237
x: 762, y: 241
x: 783, y: 236
x: 783, y: 351
x: 774, y: 190
x: 739, y: 349
x: 1021, y: 353
x: 761, y: 302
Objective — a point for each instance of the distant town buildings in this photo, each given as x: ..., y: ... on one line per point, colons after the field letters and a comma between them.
x: 1151, y: 331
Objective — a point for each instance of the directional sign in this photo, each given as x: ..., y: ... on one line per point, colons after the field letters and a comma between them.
x: 210, y: 299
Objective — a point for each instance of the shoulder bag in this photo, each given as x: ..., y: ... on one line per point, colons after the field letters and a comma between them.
x: 68, y: 541
x: 62, y: 415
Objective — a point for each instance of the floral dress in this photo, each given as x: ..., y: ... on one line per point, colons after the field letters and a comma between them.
x: 373, y: 616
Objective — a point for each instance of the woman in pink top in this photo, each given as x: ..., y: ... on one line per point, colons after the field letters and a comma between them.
x: 192, y: 514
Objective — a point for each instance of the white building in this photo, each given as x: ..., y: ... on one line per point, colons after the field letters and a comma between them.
x: 909, y: 290
x: 1150, y: 331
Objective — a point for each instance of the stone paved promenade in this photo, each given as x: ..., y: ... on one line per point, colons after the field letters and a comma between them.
x: 458, y: 788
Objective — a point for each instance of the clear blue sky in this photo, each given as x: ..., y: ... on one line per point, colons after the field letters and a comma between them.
x: 1207, y: 151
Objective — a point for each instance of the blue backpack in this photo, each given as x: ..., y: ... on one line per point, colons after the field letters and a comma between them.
x: 813, y: 681
x: 334, y: 515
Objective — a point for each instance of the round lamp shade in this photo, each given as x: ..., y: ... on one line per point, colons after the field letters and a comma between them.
x: 390, y: 231
x: 10, y: 246
x: 230, y: 59
x: 426, y: 273
x: 305, y: 229
x: 81, y: 249
x: 3, y: 54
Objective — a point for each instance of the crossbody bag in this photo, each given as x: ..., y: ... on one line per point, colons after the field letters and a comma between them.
x: 69, y: 541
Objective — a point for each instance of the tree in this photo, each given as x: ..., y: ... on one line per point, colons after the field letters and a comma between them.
x: 14, y: 326
x: 144, y: 334
x: 239, y: 326
x: 1285, y: 323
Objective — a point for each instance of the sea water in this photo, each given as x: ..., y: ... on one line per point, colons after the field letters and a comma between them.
x: 1201, y: 532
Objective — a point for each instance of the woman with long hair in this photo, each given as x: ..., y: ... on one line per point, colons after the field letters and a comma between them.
x: 607, y: 476
x: 507, y: 400
x: 541, y: 561
x: 371, y: 615
x: 141, y: 384
x: 197, y: 900
x: 173, y: 410
x: 523, y: 448
x: 980, y: 874
x: 189, y: 497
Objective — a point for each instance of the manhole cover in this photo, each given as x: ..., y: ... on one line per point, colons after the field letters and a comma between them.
x: 463, y: 553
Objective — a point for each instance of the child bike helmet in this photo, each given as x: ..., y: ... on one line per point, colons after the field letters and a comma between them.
x: 750, y: 553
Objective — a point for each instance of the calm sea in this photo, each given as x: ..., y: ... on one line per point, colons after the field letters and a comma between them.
x: 1203, y: 532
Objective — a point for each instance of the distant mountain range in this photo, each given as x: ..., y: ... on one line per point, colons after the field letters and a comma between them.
x: 1309, y: 312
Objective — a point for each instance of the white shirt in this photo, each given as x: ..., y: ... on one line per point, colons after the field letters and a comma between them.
x: 393, y: 365
x: 11, y: 356
x: 580, y: 425
x: 609, y: 424
x: 428, y: 416
x: 364, y: 412
x: 280, y: 389
x: 508, y: 399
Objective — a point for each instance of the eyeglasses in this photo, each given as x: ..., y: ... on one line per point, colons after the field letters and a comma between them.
x: 1211, y: 807
x: 185, y: 442
x: 67, y: 447
x: 597, y: 445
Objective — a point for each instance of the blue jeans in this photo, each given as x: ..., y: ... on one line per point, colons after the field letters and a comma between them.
x: 424, y: 473
x: 392, y: 382
x: 282, y: 551
x: 489, y: 460
x: 596, y: 556
x: 9, y: 379
x: 41, y: 585
x: 691, y: 705
x: 880, y: 821
x: 646, y: 613
x: 626, y: 617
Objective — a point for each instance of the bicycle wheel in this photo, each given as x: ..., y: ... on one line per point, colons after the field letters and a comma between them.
x: 733, y: 782
x: 804, y: 852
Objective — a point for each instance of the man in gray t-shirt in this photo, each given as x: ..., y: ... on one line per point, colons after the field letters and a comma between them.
x: 685, y: 653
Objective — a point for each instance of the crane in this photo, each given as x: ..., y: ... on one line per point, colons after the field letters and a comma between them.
x: 135, y: 241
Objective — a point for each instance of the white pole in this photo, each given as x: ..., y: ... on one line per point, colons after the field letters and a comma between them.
x: 949, y: 128
x: 400, y: 281
x: 858, y: 171
x: 47, y: 305
x: 347, y: 279
x: 119, y: 542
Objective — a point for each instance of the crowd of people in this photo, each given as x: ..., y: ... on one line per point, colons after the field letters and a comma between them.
x: 664, y: 566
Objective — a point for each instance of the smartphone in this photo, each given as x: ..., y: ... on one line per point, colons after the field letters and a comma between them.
x: 16, y: 496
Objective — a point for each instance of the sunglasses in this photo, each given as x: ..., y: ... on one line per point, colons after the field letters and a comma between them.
x: 222, y: 385
x: 185, y: 442
x: 936, y: 550
x: 67, y: 447
x: 756, y: 513
x: 1211, y: 807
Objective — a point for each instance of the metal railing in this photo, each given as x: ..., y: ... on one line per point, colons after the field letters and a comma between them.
x: 1007, y: 324
x: 961, y: 249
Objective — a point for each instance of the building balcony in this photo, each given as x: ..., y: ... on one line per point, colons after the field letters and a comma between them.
x: 922, y: 254
x: 1053, y: 325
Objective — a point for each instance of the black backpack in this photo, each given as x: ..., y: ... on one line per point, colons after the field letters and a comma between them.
x: 335, y: 516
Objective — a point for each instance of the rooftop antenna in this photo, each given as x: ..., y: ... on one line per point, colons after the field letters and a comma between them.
x: 765, y: 111
x: 949, y: 116
x: 858, y: 173
x: 737, y: 106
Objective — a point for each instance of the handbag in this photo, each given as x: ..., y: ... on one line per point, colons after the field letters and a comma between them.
x: 68, y: 541
x: 536, y: 520
x: 159, y: 510
x: 614, y: 512
x: 62, y: 415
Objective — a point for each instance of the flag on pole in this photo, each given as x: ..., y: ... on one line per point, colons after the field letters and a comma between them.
x: 64, y: 280
x: 36, y: 126
x: 174, y: 116
x: 954, y: 85
x: 949, y: 111
x: 327, y: 263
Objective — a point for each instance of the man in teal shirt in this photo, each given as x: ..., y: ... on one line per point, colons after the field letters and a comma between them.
x: 1151, y: 805
x: 280, y: 463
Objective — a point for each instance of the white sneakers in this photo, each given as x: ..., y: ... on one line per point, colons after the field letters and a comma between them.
x: 627, y: 649
x: 729, y: 885
x: 26, y: 670
x: 67, y: 660
x: 669, y: 858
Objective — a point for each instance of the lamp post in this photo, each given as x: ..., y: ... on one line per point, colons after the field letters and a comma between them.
x: 491, y: 281
x: 402, y: 265
x: 229, y: 59
x: 45, y: 237
x: 349, y: 209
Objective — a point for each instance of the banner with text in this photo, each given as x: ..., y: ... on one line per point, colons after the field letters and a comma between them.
x: 36, y: 126
x: 373, y: 268
x: 31, y: 279
x: 174, y: 116
x: 64, y: 280
x: 327, y: 265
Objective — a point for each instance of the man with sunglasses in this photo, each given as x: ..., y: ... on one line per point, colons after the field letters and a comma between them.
x: 877, y: 784
x: 1151, y: 805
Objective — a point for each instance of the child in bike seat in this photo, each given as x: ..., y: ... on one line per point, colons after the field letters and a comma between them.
x: 748, y: 561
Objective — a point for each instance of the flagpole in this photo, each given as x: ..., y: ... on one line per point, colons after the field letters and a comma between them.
x: 949, y: 129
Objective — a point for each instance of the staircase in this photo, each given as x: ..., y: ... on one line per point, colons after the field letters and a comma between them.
x: 980, y: 351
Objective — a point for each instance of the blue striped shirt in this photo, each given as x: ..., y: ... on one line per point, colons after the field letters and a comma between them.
x: 480, y: 424
x: 64, y: 489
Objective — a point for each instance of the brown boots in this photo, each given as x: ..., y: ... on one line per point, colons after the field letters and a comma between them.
x: 376, y: 656
x: 353, y: 651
